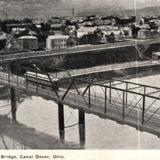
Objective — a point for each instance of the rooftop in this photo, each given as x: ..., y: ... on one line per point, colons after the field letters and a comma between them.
x: 28, y: 37
x: 58, y: 37
x: 156, y: 53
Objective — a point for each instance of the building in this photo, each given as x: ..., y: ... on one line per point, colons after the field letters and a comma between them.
x: 85, y: 31
x: 91, y: 38
x: 155, y: 23
x: 56, y: 41
x: 119, y: 35
x: 28, y: 42
x: 127, y: 31
x: 56, y: 26
x: 17, y: 30
x: 156, y: 55
x: 112, y: 36
x: 3, y: 40
x: 143, y: 34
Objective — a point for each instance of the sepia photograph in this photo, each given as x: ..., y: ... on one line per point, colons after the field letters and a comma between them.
x: 79, y: 75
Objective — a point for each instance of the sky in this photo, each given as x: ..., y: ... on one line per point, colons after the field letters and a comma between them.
x: 82, y: 4
x: 115, y: 3
x: 64, y: 7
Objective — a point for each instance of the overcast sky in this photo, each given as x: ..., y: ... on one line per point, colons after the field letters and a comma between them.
x: 82, y: 4
x: 115, y: 3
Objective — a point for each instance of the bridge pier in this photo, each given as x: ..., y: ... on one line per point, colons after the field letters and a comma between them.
x: 82, y: 128
x: 13, y: 104
x: 61, y: 121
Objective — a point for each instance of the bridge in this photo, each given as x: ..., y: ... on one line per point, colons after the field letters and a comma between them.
x: 133, y: 104
x: 75, y: 50
x: 109, y: 68
x: 125, y: 102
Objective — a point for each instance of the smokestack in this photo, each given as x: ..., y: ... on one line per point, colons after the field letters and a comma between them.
x: 73, y: 12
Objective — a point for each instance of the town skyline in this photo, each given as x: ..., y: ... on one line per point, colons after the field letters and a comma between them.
x: 40, y: 8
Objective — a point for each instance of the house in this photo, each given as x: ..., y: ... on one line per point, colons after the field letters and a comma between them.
x: 56, y: 26
x: 28, y: 42
x: 143, y: 34
x: 135, y: 30
x: 85, y: 30
x: 107, y: 22
x: 154, y: 23
x: 125, y: 21
x: 70, y: 30
x: 55, y: 20
x: 3, y: 40
x: 103, y: 39
x: 111, y: 37
x: 73, y: 33
x: 97, y: 22
x: 56, y: 41
x: 156, y: 55
x: 38, y: 26
x: 17, y: 30
x: 154, y: 33
x: 127, y: 31
x: 72, y: 41
x: 37, y: 21
x: 92, y: 38
x: 145, y: 26
x: 32, y: 33
x: 118, y: 35
x: 158, y: 30
x: 141, y: 21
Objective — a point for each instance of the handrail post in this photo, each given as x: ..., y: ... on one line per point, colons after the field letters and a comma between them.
x: 123, y: 108
x: 110, y: 92
x: 105, y: 103
x: 126, y: 94
x: 37, y: 82
x: 89, y: 96
x: 143, y: 109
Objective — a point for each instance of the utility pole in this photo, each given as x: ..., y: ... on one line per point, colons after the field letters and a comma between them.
x: 73, y: 12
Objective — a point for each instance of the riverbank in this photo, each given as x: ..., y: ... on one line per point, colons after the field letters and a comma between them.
x: 101, y: 74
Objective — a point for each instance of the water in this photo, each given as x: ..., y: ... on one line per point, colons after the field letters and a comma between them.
x: 38, y: 127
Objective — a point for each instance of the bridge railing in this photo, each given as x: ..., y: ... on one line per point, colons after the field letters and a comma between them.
x: 138, y: 107
x: 110, y: 99
x: 11, y: 79
x: 22, y: 55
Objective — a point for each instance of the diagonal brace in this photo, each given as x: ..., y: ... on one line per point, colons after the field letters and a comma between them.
x: 67, y: 90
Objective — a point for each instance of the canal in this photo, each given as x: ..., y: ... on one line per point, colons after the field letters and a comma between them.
x: 38, y: 123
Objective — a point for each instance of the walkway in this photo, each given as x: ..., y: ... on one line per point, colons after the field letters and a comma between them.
x: 106, y: 68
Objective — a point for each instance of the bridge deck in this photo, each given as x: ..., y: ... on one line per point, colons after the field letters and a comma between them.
x: 109, y: 107
x: 107, y: 68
